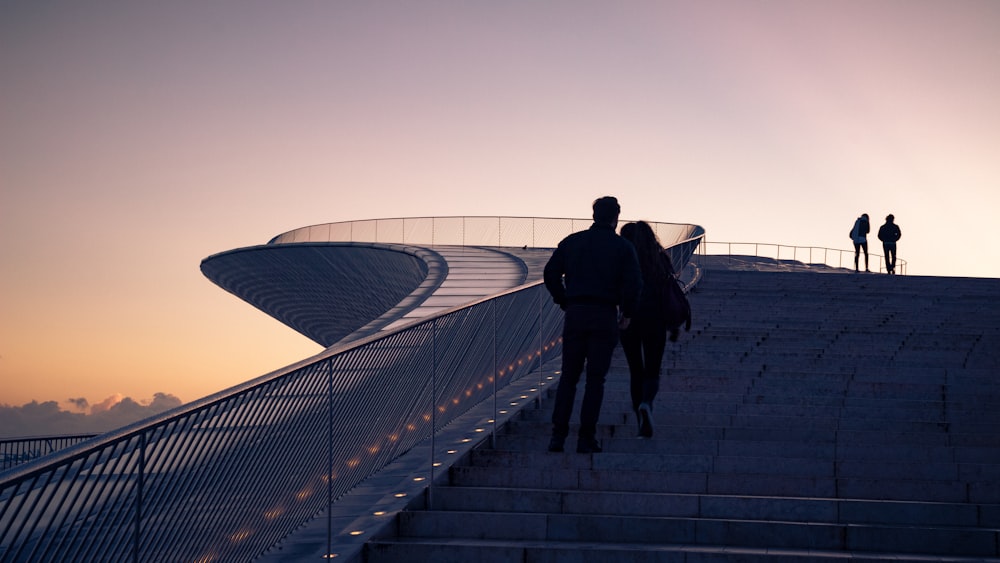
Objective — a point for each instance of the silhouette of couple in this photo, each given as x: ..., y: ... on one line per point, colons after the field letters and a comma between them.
x: 888, y: 233
x: 598, y: 279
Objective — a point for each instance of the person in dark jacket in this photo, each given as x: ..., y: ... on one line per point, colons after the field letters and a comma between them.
x: 646, y: 336
x: 859, y: 236
x: 889, y: 233
x: 594, y: 276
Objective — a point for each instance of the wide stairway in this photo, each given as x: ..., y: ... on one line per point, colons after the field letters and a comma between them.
x: 805, y: 417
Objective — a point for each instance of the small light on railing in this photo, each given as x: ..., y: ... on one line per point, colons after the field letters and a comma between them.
x: 533, y: 389
x: 480, y: 386
x: 352, y: 463
x: 524, y: 396
x: 239, y: 536
x: 393, y: 437
x: 504, y: 411
x: 441, y: 408
x: 274, y: 513
x: 452, y: 452
x: 491, y: 421
x: 513, y: 403
x: 378, y: 513
x: 480, y: 430
x: 399, y: 495
x: 411, y: 427
x: 419, y: 479
x: 331, y: 556
x: 437, y: 464
x: 455, y: 401
x: 356, y: 532
x: 373, y: 450
x: 465, y: 440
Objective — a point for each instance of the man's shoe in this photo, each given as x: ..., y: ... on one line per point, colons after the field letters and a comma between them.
x: 645, y: 421
x: 588, y: 446
x: 556, y: 444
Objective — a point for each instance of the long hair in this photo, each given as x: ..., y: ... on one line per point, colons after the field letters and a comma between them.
x: 647, y: 246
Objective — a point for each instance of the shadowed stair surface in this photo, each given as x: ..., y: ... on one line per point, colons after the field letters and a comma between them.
x: 804, y: 418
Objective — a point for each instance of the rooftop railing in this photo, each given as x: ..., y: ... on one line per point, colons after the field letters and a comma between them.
x: 226, y: 477
x: 789, y: 256
x: 531, y: 232
x: 15, y: 451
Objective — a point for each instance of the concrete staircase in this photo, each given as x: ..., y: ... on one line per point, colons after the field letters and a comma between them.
x: 805, y: 417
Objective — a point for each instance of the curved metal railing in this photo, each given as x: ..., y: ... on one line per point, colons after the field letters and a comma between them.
x: 531, y: 232
x: 226, y: 477
x: 15, y: 451
x: 783, y: 255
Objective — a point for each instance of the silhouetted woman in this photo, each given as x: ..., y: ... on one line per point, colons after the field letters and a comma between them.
x: 859, y: 236
x: 646, y: 336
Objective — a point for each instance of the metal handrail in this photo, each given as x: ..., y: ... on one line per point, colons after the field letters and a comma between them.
x: 812, y: 255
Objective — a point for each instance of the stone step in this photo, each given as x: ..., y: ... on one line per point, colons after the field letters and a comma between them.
x: 899, y: 480
x: 636, y: 530
x: 419, y: 550
x: 735, y: 482
x: 728, y: 507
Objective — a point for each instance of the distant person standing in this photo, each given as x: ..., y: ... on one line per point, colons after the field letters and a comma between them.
x: 859, y: 236
x: 645, y: 338
x: 889, y: 233
x: 594, y: 276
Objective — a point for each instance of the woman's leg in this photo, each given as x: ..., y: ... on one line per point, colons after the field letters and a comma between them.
x: 632, y: 347
x: 654, y: 342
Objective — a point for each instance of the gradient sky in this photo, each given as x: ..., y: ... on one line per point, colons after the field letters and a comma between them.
x: 137, y: 138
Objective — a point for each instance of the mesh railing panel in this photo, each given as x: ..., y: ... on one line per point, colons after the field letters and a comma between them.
x: 225, y: 478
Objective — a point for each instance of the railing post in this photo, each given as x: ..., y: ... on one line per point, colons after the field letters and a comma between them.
x: 493, y: 434
x: 140, y: 483
x: 434, y: 363
x: 541, y: 305
x: 329, y: 456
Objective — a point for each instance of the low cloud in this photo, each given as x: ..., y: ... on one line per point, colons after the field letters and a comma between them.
x: 77, y: 416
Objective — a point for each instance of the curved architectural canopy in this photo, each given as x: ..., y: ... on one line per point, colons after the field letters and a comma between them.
x: 343, y: 281
x: 325, y: 290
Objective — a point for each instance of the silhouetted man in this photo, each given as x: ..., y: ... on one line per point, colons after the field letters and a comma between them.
x: 889, y: 233
x: 593, y: 275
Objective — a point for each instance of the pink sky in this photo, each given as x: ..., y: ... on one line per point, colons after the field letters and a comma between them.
x: 138, y: 138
